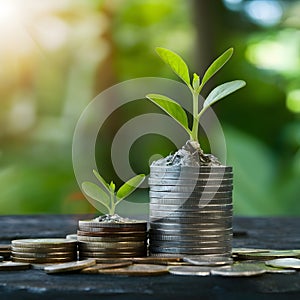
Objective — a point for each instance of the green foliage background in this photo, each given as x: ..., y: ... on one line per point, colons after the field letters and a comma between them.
x: 62, y: 54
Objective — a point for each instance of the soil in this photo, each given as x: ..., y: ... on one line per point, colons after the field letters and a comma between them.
x: 189, y: 155
x: 115, y: 219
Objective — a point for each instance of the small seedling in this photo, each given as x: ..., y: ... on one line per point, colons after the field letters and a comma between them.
x: 105, y: 193
x: 180, y: 68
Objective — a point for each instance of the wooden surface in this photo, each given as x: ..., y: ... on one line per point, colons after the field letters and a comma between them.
x: 275, y: 233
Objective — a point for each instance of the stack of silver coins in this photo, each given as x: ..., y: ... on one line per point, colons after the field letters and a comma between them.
x: 191, y: 210
x: 48, y: 250
x: 110, y: 240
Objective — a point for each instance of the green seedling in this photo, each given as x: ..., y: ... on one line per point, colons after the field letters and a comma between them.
x: 105, y: 193
x: 180, y: 68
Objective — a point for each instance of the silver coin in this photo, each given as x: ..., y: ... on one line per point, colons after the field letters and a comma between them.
x: 71, y: 237
x: 224, y: 245
x: 193, y: 231
x: 186, y: 217
x: 208, y: 261
x: 190, y: 182
x: 188, y: 250
x: 248, y: 250
x: 83, y: 238
x: 289, y: 263
x: 193, y: 195
x: 271, y: 254
x: 113, y: 245
x: 190, y: 189
x: 135, y: 224
x: 190, y: 201
x: 71, y: 266
x: 200, y: 169
x: 43, y: 243
x: 204, y: 224
x: 186, y: 207
x: 188, y: 175
x: 190, y: 271
x: 205, y: 238
x: 239, y: 270
x: 71, y: 255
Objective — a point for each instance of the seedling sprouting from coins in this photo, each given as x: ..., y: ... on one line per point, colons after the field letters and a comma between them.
x: 180, y: 68
x: 107, y: 195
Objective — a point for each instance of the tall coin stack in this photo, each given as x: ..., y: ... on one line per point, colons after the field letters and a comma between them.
x: 191, y: 210
x: 112, y: 239
x: 48, y: 250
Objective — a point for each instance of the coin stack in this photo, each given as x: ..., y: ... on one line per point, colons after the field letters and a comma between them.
x: 191, y: 210
x: 112, y: 239
x: 49, y: 250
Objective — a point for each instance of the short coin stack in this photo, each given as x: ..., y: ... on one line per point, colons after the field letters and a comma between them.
x: 48, y: 250
x: 112, y: 236
x: 191, y: 210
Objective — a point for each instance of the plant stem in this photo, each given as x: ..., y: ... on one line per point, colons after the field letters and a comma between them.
x: 194, y: 134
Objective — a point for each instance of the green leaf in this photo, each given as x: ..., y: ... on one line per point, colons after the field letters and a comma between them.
x: 172, y: 108
x: 95, y: 192
x: 176, y: 63
x: 128, y: 187
x: 112, y: 187
x: 196, y: 81
x: 220, y: 92
x: 102, y: 181
x: 217, y: 65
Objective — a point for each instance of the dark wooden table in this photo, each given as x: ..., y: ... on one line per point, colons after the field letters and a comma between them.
x: 275, y: 233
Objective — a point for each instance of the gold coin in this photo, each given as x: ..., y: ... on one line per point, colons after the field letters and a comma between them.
x: 95, y: 269
x: 42, y: 260
x: 13, y: 266
x: 70, y: 255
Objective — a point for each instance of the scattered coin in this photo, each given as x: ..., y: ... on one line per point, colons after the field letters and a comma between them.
x: 289, y: 263
x: 70, y: 266
x: 95, y: 269
x: 248, y: 250
x: 239, y: 270
x: 208, y: 261
x: 137, y: 270
x: 13, y: 266
x: 156, y: 260
x: 190, y: 271
x: 272, y: 254
x: 72, y: 237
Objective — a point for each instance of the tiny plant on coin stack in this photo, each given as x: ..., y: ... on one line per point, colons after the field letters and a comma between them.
x: 111, y: 236
x: 190, y: 191
x: 105, y: 193
x: 180, y: 68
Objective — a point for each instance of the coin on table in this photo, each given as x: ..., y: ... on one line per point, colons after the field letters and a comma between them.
x: 273, y: 270
x: 208, y: 261
x: 13, y: 266
x: 43, y: 243
x: 239, y: 270
x: 72, y: 237
x: 243, y: 250
x: 156, y: 260
x: 271, y: 254
x: 112, y: 260
x: 190, y: 270
x: 137, y: 270
x: 289, y: 263
x: 70, y: 266
x: 95, y: 269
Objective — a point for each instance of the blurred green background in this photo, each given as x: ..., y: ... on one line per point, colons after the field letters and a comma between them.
x: 57, y: 55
